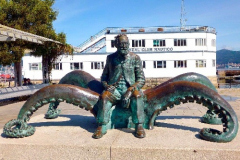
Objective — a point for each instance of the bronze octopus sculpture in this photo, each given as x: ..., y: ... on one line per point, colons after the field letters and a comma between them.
x: 81, y: 89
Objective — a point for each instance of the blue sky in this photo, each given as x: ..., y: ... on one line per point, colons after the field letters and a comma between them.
x: 80, y: 19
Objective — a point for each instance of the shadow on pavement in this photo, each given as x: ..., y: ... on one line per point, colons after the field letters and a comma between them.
x: 89, y: 123
x: 86, y: 122
x: 175, y: 126
x: 177, y: 117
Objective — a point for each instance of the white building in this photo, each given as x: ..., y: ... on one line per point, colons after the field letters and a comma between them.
x: 164, y: 51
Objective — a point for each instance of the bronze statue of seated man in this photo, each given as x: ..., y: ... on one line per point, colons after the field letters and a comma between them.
x: 123, y: 78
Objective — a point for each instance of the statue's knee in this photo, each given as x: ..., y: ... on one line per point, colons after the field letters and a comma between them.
x: 136, y: 94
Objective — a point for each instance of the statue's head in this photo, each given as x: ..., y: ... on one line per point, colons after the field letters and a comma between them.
x: 122, y: 44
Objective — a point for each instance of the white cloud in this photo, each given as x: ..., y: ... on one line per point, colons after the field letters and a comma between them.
x: 67, y: 10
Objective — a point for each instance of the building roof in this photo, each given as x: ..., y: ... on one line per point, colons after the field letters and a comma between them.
x: 11, y: 34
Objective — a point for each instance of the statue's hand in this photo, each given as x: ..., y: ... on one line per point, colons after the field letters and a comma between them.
x: 111, y: 88
x: 107, y: 87
x: 127, y: 96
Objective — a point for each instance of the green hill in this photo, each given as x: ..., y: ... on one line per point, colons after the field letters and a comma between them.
x: 224, y: 56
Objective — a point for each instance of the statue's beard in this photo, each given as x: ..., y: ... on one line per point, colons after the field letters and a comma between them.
x: 123, y: 51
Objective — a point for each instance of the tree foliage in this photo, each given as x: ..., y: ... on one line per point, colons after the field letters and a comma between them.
x: 34, y: 16
x: 50, y: 51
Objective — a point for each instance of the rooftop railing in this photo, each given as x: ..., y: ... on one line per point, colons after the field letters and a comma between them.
x: 118, y: 30
x: 160, y: 29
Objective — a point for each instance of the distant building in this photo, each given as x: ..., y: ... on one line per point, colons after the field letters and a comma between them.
x: 164, y: 51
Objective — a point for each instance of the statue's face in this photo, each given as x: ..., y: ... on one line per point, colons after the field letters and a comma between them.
x: 123, y: 46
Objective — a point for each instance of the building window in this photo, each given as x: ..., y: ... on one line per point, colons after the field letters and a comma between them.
x: 180, y: 64
x: 138, y: 43
x: 180, y: 42
x: 200, y: 63
x: 97, y: 65
x: 159, y: 64
x: 200, y: 42
x: 57, y: 66
x: 35, y: 66
x: 112, y: 43
x: 213, y: 42
x: 159, y: 43
x: 144, y: 64
x: 74, y: 66
x: 213, y: 63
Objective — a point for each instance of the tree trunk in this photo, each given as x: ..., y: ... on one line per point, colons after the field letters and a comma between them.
x: 18, y: 73
x: 45, y: 69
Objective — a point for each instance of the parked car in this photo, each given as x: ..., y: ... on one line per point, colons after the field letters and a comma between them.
x: 7, y: 76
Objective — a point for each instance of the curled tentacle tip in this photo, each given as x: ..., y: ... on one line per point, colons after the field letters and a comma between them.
x: 52, y: 114
x: 17, y: 129
x: 215, y: 135
x: 204, y: 130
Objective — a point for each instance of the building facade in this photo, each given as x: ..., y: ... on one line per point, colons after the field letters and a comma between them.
x: 164, y: 51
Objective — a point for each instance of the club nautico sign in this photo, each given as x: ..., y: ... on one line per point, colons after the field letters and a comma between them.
x: 168, y: 49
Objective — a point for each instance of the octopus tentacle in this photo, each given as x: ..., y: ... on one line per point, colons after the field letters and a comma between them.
x: 190, y: 76
x: 82, y: 79
x: 210, y: 117
x: 17, y: 129
x: 182, y: 91
x: 53, y: 112
x: 76, y: 78
x: 84, y: 98
x: 153, y: 118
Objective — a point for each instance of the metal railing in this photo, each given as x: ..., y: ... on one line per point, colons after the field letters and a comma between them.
x: 86, y: 45
x: 102, y: 32
x: 160, y: 29
x: 96, y: 47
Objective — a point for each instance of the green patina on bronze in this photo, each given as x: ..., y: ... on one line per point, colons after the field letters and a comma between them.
x: 85, y: 80
x: 85, y: 91
x: 118, y: 64
x: 81, y: 79
x: 210, y: 117
x: 122, y: 78
x: 53, y: 112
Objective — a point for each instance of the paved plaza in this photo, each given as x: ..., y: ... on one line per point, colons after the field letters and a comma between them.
x: 175, y: 136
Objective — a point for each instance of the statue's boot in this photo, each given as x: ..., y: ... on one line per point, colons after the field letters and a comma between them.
x: 100, y: 131
x: 139, y: 131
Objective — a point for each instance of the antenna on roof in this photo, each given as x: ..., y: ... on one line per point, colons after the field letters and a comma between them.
x: 183, y: 20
